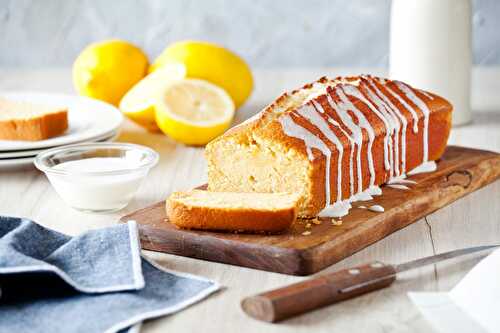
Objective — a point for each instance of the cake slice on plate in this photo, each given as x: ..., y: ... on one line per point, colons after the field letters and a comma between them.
x: 31, y: 122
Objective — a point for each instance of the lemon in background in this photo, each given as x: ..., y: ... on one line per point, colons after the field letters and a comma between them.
x: 194, y: 111
x: 108, y: 69
x: 139, y: 102
x: 212, y: 63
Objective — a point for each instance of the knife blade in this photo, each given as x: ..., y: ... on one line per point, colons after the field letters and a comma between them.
x: 441, y: 257
x: 301, y: 297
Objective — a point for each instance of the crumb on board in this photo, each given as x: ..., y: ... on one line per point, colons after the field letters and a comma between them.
x: 336, y: 222
x: 306, y: 233
x: 308, y: 225
x: 316, y: 221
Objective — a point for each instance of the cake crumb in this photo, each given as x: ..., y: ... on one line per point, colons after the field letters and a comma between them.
x: 306, y: 233
x: 308, y: 225
x: 316, y: 221
x: 336, y: 222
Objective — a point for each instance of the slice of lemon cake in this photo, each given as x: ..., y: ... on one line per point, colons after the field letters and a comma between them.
x: 30, y: 122
x: 332, y: 142
x: 198, y: 209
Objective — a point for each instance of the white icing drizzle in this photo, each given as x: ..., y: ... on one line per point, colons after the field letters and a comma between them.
x: 399, y: 116
x: 429, y: 96
x: 401, y: 180
x: 374, y: 190
x: 376, y: 208
x: 342, y: 109
x: 311, y: 141
x: 355, y: 92
x: 341, y: 208
x: 424, y: 167
x: 399, y: 186
x: 362, y: 196
x: 425, y: 110
x: 309, y: 113
x: 392, y: 131
x: 407, y: 107
x: 338, y: 209
x: 351, y: 140
x: 351, y: 155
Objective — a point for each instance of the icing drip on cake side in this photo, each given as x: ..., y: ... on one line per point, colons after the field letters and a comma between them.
x: 352, y: 142
x: 351, y: 155
x: 309, y: 113
x: 425, y: 110
x: 341, y: 208
x: 311, y: 141
x: 401, y: 123
x: 407, y: 107
x: 392, y: 133
x: 355, y: 92
x: 342, y: 110
x: 429, y: 96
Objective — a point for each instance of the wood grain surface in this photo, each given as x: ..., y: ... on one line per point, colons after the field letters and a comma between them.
x: 460, y: 171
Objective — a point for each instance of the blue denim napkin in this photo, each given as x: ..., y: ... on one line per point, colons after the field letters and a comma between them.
x: 95, y: 282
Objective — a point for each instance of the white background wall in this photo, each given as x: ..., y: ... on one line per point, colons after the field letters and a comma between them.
x: 268, y: 33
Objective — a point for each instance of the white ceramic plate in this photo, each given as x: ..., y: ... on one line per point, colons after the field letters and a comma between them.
x: 88, y: 119
x: 18, y: 162
x: 34, y: 152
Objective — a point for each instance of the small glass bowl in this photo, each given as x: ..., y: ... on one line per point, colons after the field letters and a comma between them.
x: 97, y: 177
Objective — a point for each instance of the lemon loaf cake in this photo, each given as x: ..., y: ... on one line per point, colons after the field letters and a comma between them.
x: 332, y: 142
x: 198, y: 209
x: 31, y: 122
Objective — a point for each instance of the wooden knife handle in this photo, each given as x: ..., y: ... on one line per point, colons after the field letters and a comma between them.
x: 308, y: 295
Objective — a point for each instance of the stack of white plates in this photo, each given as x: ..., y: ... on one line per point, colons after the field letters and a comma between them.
x: 89, y: 121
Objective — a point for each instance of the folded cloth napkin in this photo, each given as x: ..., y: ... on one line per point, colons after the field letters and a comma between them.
x: 95, y: 282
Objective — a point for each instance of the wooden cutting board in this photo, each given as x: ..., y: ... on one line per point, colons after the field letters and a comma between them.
x: 460, y: 171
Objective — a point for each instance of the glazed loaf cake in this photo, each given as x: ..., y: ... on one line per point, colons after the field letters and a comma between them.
x: 332, y: 142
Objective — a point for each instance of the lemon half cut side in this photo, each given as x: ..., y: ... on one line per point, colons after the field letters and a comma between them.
x: 194, y: 111
x: 139, y: 102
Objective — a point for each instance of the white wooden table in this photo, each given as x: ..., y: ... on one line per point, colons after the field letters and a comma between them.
x: 472, y: 220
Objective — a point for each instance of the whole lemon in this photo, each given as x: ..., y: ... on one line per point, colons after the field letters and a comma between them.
x: 212, y: 63
x: 108, y: 69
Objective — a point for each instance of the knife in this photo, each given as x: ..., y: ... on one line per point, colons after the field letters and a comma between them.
x: 308, y: 295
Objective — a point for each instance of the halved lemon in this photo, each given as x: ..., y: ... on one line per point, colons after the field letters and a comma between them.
x: 139, y: 102
x: 194, y: 111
